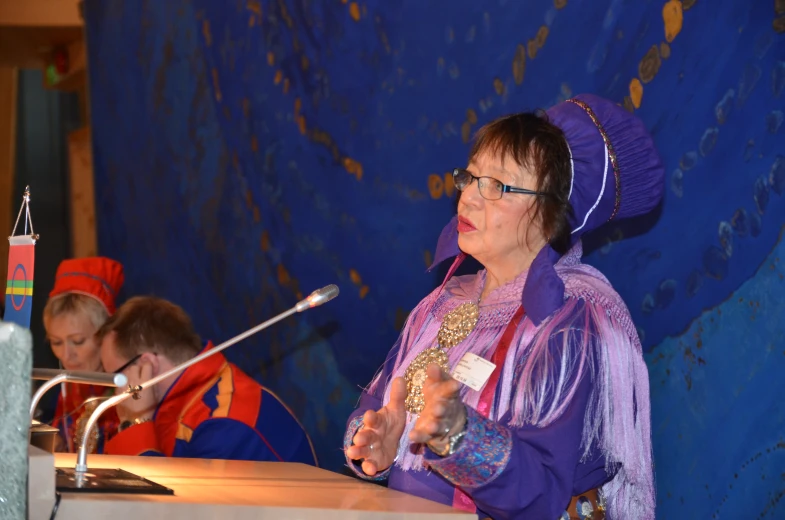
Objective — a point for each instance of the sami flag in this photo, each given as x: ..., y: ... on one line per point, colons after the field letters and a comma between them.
x: 19, y: 290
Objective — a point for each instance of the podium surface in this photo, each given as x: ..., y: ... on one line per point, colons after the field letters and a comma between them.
x: 213, y: 489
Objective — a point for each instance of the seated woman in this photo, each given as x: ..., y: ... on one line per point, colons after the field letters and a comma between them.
x: 83, y: 298
x: 521, y: 391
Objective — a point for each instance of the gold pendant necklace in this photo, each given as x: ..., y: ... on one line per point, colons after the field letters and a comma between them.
x: 457, y: 324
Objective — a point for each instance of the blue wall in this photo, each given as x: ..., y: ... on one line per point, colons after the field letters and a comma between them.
x: 248, y: 152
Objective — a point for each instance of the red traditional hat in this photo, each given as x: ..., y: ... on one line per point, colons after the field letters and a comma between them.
x: 98, y: 277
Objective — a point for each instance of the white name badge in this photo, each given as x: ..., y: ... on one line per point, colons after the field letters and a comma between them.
x: 473, y: 371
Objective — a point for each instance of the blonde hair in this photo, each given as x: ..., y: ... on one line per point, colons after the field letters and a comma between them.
x: 76, y: 303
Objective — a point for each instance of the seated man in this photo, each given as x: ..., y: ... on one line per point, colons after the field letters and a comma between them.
x: 211, y: 410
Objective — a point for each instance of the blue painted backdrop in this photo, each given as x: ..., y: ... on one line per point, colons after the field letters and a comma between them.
x: 248, y: 152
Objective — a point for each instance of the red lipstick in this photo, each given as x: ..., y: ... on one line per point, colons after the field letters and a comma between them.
x: 465, y: 225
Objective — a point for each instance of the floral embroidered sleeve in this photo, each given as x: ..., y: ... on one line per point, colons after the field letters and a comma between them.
x: 483, y: 455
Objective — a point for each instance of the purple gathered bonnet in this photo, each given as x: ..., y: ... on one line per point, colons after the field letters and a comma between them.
x: 616, y: 173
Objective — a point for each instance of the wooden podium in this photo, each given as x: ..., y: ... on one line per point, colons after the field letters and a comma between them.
x: 218, y: 489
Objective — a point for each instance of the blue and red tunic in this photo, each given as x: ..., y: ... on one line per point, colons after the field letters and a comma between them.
x: 216, y: 411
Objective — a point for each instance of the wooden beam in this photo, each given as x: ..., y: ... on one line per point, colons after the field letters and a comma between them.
x: 9, y: 198
x: 31, y: 47
x: 40, y: 13
x: 80, y: 159
x: 84, y: 233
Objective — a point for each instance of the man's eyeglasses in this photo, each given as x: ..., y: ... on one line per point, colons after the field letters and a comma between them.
x: 490, y: 188
x: 131, y: 362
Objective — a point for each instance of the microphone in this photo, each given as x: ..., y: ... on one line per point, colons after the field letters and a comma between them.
x: 55, y: 377
x: 81, y: 376
x: 316, y: 298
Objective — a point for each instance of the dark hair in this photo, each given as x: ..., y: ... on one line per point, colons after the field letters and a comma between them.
x: 532, y: 141
x: 149, y: 324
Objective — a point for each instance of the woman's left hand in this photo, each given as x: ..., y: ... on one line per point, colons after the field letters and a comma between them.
x: 444, y: 414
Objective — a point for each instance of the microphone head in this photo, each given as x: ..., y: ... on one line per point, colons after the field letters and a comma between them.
x: 318, y: 297
x: 120, y: 380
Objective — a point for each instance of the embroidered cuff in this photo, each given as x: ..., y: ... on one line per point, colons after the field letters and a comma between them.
x: 354, y: 426
x: 481, y: 457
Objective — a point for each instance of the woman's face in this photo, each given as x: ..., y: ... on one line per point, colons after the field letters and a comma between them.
x: 72, y: 337
x: 499, y: 233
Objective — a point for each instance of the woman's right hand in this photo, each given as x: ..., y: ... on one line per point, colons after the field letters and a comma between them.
x: 376, y: 443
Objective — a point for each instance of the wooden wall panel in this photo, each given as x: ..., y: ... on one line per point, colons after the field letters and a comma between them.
x: 9, y: 199
x: 80, y: 160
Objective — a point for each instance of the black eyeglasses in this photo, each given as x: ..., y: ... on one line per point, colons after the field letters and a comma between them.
x: 490, y: 188
x: 130, y: 362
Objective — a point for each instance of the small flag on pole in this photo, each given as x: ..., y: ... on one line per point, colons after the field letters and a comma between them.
x: 19, y: 291
x: 21, y: 268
